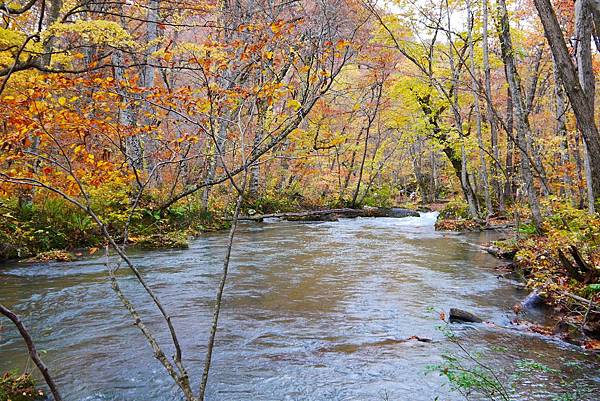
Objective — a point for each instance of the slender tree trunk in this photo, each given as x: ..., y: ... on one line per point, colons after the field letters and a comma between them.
x: 509, y: 187
x: 464, y: 175
x: 219, y: 296
x: 254, y: 186
x: 376, y: 93
x: 475, y: 84
x: 561, y: 132
x: 579, y: 162
x: 465, y: 179
x: 490, y: 112
x: 148, y: 80
x: 433, y: 190
x: 522, y: 122
x: 534, y: 149
x: 215, y: 159
x: 362, y: 165
x: 127, y: 116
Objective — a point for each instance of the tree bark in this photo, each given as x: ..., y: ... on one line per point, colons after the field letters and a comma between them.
x: 148, y: 81
x: 561, y: 132
x: 584, y: 25
x: 522, y: 121
x: 453, y: 98
x: 484, y: 170
x: 510, y: 146
x: 490, y: 112
x: 584, y: 113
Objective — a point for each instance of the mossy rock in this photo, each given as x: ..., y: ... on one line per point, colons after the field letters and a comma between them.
x: 52, y: 256
x: 173, y: 240
x: 456, y: 209
x: 19, y: 387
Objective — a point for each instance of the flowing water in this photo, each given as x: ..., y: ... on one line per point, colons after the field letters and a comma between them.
x: 312, y: 311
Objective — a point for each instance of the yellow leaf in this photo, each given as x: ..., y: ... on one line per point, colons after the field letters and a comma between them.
x: 294, y: 104
x: 62, y: 101
x: 275, y: 28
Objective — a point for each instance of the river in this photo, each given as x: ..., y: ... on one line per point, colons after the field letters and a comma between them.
x: 307, y: 311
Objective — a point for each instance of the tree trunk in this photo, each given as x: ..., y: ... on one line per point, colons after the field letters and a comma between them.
x: 584, y: 113
x: 215, y: 160
x: 522, y: 121
x: 490, y: 112
x: 583, y: 35
x: 484, y: 174
x: 127, y: 116
x: 453, y: 98
x: 509, y: 190
x: 148, y: 75
x: 561, y: 132
x: 254, y: 185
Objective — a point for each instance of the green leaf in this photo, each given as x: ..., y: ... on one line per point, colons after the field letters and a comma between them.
x: 594, y: 287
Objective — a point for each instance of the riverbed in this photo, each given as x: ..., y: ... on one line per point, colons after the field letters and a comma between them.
x: 309, y: 309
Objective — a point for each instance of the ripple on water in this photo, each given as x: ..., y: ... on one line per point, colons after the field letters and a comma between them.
x: 311, y: 312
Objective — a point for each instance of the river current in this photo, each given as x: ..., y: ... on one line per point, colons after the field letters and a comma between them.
x: 311, y: 312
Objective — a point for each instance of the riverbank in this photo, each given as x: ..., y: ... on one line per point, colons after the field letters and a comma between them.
x: 51, y: 229
x: 560, y: 266
x: 561, y: 272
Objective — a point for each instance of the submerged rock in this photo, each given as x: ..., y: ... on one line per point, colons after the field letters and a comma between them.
x: 533, y: 300
x: 462, y: 316
x: 500, y: 253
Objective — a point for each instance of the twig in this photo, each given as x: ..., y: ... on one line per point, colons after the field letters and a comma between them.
x: 217, y: 309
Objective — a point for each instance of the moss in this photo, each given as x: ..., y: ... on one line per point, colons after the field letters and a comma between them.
x: 175, y: 239
x: 53, y: 256
x: 455, y: 209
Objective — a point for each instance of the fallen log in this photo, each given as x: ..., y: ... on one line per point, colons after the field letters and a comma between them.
x: 334, y: 214
x: 462, y: 316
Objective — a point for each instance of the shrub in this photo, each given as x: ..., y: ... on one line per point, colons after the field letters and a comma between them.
x: 455, y: 209
x: 19, y: 387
